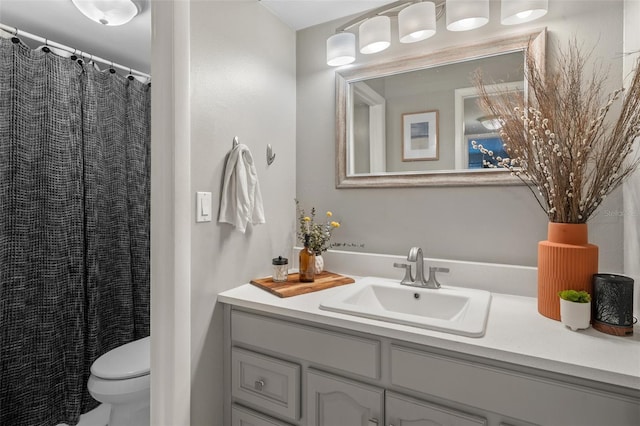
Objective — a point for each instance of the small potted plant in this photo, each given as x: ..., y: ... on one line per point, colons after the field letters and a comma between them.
x: 575, y: 309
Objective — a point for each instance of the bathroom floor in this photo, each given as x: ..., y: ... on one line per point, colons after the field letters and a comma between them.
x: 99, y: 416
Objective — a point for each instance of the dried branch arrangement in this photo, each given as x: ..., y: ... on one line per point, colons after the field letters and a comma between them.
x: 561, y: 142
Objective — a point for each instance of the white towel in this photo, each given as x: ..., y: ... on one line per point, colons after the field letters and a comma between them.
x: 241, y: 200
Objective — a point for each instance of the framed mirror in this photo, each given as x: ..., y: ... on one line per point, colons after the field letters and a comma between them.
x: 410, y: 122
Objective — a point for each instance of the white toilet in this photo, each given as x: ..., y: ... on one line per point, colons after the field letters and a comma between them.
x: 120, y: 378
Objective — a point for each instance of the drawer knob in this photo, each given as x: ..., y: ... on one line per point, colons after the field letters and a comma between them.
x: 259, y: 384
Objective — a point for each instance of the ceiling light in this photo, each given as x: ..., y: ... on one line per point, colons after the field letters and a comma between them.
x: 109, y: 12
x: 417, y: 22
x: 519, y: 11
x: 341, y: 49
x: 375, y: 35
x: 490, y: 122
x: 465, y: 15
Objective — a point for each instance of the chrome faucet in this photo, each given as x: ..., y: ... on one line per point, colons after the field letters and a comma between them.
x: 415, y: 255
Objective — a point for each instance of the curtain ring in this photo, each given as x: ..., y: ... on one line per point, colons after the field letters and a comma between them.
x: 15, y: 38
x: 73, y: 55
x: 46, y: 49
x: 111, y: 70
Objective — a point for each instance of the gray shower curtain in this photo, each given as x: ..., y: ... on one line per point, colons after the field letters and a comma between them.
x: 74, y: 228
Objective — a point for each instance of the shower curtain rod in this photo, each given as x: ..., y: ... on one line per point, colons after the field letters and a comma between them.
x: 20, y: 33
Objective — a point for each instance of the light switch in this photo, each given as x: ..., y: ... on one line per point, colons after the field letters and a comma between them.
x: 203, y: 207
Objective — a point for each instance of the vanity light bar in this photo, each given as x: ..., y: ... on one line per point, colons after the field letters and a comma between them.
x: 417, y: 22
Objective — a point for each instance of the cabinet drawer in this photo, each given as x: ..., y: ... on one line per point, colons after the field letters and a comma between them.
x: 241, y: 416
x: 267, y: 383
x: 518, y: 395
x: 348, y: 353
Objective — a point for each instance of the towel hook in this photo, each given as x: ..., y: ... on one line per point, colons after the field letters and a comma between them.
x: 271, y: 156
x: 235, y: 141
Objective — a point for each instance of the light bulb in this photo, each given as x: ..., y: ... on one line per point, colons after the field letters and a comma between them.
x: 525, y: 14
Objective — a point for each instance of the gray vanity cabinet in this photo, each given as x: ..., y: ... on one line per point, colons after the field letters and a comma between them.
x: 283, y: 371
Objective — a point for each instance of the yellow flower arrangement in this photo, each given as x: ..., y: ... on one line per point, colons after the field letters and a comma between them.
x: 319, y: 234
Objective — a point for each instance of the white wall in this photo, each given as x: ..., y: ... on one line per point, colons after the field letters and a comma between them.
x: 170, y: 216
x: 482, y: 224
x: 228, y: 70
x: 242, y: 84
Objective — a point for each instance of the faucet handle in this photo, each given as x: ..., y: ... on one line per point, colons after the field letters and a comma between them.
x: 407, y: 279
x: 432, y: 282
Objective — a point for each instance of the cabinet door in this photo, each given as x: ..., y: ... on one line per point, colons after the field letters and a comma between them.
x: 405, y: 411
x: 333, y: 400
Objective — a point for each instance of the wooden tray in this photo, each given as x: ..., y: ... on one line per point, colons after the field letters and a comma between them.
x: 294, y: 287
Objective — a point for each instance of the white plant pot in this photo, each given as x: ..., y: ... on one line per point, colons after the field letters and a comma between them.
x: 319, y: 265
x: 576, y: 316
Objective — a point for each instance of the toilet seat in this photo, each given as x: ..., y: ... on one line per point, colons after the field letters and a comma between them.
x: 124, y: 362
x: 120, y: 391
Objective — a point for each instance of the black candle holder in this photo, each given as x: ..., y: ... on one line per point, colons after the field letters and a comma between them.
x: 612, y: 304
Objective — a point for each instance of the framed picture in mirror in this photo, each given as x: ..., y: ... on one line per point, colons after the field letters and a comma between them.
x: 420, y: 136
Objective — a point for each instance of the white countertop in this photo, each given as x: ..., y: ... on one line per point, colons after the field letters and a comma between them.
x: 515, y: 333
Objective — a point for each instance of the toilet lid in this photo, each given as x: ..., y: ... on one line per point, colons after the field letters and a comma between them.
x: 124, y: 362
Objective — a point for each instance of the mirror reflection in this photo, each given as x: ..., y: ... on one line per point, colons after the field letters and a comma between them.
x: 413, y: 122
x: 395, y: 99
x: 472, y: 124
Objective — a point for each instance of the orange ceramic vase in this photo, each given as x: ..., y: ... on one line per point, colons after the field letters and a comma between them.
x: 566, y: 261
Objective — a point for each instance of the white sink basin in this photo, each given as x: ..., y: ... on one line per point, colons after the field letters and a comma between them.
x: 450, y: 309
